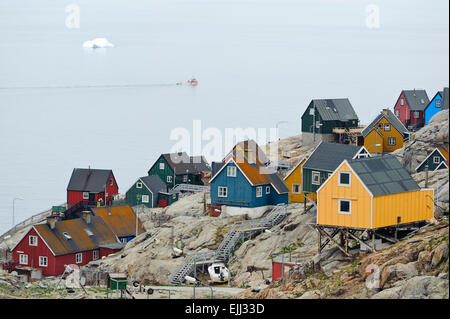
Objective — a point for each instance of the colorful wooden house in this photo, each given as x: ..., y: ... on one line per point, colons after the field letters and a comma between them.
x: 385, y: 134
x: 52, y: 245
x: 244, y: 185
x: 437, y: 159
x: 150, y: 191
x: 436, y: 105
x: 121, y: 220
x: 371, y: 193
x: 322, y: 116
x: 410, y: 107
x: 293, y: 181
x: 180, y: 168
x: 323, y: 161
x: 92, y: 187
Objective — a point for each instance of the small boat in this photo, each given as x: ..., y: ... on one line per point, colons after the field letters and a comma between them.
x: 193, y: 82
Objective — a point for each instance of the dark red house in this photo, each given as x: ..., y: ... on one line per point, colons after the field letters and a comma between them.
x: 410, y: 107
x: 53, y: 245
x: 91, y: 186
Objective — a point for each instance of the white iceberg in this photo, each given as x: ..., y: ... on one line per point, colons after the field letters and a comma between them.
x: 98, y: 43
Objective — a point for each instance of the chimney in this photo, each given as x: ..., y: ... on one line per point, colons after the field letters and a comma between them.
x: 86, y: 215
x: 51, y: 221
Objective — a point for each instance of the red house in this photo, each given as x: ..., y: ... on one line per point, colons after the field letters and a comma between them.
x: 52, y: 245
x: 91, y: 186
x: 410, y: 107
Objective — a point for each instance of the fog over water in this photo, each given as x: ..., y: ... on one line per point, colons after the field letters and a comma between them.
x: 258, y: 62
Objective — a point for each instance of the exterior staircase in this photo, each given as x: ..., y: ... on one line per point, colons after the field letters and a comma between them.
x: 240, y: 231
x: 189, y: 188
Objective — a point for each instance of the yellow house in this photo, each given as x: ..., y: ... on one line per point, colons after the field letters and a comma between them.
x: 293, y: 181
x: 371, y: 193
x: 385, y: 134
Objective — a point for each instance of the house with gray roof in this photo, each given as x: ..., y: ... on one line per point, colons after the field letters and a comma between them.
x: 322, y: 116
x: 410, y: 107
x: 149, y: 191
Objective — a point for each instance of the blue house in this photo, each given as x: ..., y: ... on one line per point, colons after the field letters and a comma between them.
x: 436, y: 105
x: 244, y: 185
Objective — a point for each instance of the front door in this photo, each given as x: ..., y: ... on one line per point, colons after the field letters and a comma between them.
x: 91, y: 199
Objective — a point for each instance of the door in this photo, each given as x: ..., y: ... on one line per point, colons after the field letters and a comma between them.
x: 91, y: 199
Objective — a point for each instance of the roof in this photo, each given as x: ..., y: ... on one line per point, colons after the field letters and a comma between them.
x: 442, y: 151
x: 216, y: 166
x: 445, y: 99
x: 391, y: 118
x: 417, y: 99
x: 154, y: 183
x: 256, y: 172
x: 243, y: 148
x: 303, y: 159
x: 182, y: 163
x: 335, y: 109
x: 328, y: 156
x: 121, y: 220
x: 89, y: 180
x: 80, y: 239
x: 383, y: 175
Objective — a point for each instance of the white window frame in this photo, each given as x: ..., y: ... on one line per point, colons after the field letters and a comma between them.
x: 111, y: 182
x: 349, y: 179
x: 392, y: 139
x: 267, y: 189
x: 222, y: 191
x: 85, y: 195
x: 138, y: 185
x: 185, y: 178
x: 311, y: 111
x: 349, y: 207
x: 259, y: 191
x: 397, y: 113
x: 41, y: 261
x: 161, y: 166
x: 231, y: 171
x: 402, y: 102
x: 380, y: 126
x: 438, y: 103
x: 169, y: 179
x: 416, y: 114
x: 436, y: 158
x: 95, y: 254
x: 23, y: 259
x: 32, y: 241
x: 315, y: 173
x: 387, y: 127
x: 123, y: 240
x: 79, y: 258
x: 145, y: 199
x: 299, y: 189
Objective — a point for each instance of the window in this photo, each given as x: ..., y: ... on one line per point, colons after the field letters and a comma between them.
x: 416, y: 115
x: 317, y: 124
x: 32, y: 240
x: 438, y: 103
x: 436, y: 160
x: 311, y: 111
x: 138, y: 185
x: 402, y: 101
x: 259, y: 191
x: 169, y: 179
x: 161, y: 166
x: 23, y: 259
x: 111, y: 182
x: 344, y: 179
x: 185, y: 178
x: 123, y: 240
x: 296, y: 189
x: 145, y: 198
x: 380, y: 126
x: 397, y: 113
x: 267, y: 189
x: 94, y: 254
x: 79, y: 258
x: 391, y: 141
x: 222, y: 191
x: 85, y: 195
x: 387, y: 127
x: 316, y: 178
x: 231, y: 171
x: 43, y: 261
x: 345, y: 206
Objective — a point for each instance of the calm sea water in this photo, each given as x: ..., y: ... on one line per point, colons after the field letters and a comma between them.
x: 258, y: 62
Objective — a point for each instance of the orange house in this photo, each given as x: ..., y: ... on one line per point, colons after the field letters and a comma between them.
x: 371, y: 193
x: 293, y: 181
x: 385, y: 134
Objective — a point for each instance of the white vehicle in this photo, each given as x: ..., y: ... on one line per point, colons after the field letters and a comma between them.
x: 218, y: 272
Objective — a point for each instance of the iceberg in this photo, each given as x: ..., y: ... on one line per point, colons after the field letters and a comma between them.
x: 98, y: 43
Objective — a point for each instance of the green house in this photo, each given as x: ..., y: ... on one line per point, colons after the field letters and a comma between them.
x: 146, y: 191
x: 180, y: 168
x: 322, y: 116
x: 437, y: 159
x: 324, y: 160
